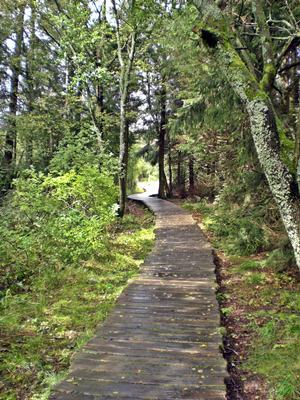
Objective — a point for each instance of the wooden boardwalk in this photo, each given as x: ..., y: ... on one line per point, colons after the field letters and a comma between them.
x: 161, y: 341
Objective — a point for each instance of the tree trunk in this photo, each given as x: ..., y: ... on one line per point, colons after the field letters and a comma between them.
x: 170, y: 167
x: 180, y: 176
x: 178, y: 169
x: 123, y: 156
x: 10, y: 152
x: 297, y: 149
x: 125, y: 67
x: 161, y: 142
x: 124, y: 161
x: 99, y: 94
x: 191, y: 176
x: 30, y: 80
x: 263, y: 125
x: 99, y: 113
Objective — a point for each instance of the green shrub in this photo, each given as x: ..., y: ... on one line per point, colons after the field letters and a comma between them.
x: 242, y: 235
x: 200, y: 206
x: 280, y: 259
x: 53, y: 221
x: 256, y: 279
x: 250, y: 265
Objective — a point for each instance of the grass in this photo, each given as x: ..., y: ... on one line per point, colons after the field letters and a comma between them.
x: 271, y: 309
x: 42, y: 327
x: 260, y: 303
x: 275, y: 354
x: 233, y: 231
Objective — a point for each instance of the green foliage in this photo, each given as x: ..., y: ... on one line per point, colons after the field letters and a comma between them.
x: 53, y: 221
x: 75, y: 154
x: 275, y: 355
x: 233, y: 231
x: 226, y: 311
x: 249, y: 265
x: 280, y: 259
x: 200, y: 206
x: 238, y: 234
x: 44, y: 324
x: 256, y: 278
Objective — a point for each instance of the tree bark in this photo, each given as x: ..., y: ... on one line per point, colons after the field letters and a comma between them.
x: 126, y: 68
x: 162, y: 189
x: 124, y: 162
x: 10, y: 152
x: 30, y: 80
x: 253, y: 94
x: 170, y: 167
x: 297, y: 149
x: 191, y: 176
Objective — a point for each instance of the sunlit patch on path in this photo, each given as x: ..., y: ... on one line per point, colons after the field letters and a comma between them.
x: 161, y: 341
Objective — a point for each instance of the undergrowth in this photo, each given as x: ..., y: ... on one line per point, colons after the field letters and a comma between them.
x: 259, y: 297
x: 66, y: 261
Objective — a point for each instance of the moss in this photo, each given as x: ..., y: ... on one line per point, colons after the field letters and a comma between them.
x: 268, y: 78
x: 287, y: 147
x: 274, y: 355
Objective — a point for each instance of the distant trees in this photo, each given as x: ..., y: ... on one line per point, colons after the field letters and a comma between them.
x: 101, y: 76
x: 10, y: 149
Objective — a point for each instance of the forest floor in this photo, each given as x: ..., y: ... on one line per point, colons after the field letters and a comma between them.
x: 260, y: 308
x: 42, y: 327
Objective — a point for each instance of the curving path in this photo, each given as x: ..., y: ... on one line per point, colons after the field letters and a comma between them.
x: 161, y: 341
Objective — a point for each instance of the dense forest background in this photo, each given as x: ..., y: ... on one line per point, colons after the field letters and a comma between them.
x: 98, y: 95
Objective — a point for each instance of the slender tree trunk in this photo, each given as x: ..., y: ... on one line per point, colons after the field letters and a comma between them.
x: 123, y: 155
x: 161, y: 142
x: 295, y: 79
x: 179, y: 172
x: 297, y: 149
x: 99, y: 113
x: 10, y: 152
x: 126, y: 67
x: 31, y: 86
x: 263, y: 124
x: 124, y: 136
x: 191, y: 176
x: 170, y: 167
x: 124, y: 149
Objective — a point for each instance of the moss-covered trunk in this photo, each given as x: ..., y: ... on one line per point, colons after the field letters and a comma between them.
x: 217, y: 36
x: 281, y: 182
x: 266, y: 140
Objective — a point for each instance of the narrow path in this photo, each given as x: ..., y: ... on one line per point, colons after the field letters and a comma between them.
x: 161, y: 341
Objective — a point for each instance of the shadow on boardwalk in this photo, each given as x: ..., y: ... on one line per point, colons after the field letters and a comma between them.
x: 161, y: 341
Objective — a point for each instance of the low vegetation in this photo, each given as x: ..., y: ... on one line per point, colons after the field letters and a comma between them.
x: 65, y: 258
x: 259, y: 300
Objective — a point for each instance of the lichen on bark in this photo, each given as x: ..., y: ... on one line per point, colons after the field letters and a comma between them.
x: 255, y: 96
x: 279, y: 179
